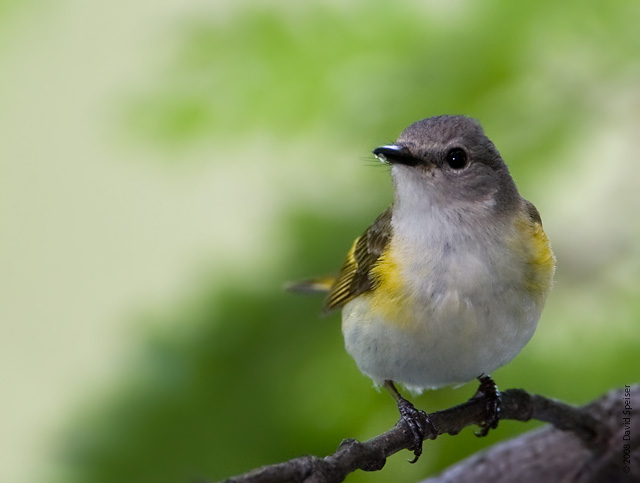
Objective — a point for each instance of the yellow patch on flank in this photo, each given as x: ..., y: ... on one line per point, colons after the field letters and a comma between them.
x: 538, y: 257
x: 390, y: 298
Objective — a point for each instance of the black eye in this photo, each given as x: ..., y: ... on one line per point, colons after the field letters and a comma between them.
x: 456, y: 158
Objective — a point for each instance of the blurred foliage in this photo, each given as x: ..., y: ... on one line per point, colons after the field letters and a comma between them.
x: 367, y: 69
x: 256, y: 378
x: 238, y: 377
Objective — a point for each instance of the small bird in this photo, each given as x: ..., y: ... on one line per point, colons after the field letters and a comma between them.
x: 449, y: 282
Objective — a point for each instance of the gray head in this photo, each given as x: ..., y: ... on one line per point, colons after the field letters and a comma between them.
x: 448, y: 162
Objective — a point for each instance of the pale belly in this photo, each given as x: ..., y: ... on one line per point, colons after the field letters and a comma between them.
x: 447, y: 334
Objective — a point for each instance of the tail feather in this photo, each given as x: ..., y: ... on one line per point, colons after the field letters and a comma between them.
x: 311, y: 286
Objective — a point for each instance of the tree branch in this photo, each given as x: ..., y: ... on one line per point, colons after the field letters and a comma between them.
x: 548, y: 454
x: 591, y: 430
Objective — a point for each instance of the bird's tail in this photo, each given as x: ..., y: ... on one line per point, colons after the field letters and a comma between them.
x: 311, y: 286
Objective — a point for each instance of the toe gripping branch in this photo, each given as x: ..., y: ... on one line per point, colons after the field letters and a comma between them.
x: 419, y: 424
x: 416, y: 420
x: 493, y: 404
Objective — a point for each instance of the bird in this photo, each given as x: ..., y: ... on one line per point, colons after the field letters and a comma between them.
x: 449, y: 282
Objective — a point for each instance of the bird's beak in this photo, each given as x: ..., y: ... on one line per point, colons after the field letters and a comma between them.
x: 394, y: 154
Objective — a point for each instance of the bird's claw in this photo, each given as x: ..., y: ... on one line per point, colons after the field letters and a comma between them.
x: 493, y: 405
x: 418, y: 423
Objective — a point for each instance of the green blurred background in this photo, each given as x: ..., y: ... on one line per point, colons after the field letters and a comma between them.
x: 166, y: 166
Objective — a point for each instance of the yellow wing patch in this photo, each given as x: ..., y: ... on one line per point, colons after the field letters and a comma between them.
x: 387, y: 295
x: 340, y: 292
x: 357, y: 275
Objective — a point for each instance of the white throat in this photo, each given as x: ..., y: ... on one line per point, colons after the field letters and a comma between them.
x: 424, y: 216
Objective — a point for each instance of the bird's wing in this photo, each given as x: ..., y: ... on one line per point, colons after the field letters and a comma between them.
x: 532, y: 211
x: 354, y: 277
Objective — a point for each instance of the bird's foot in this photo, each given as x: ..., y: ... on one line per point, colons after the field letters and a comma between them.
x: 493, y: 405
x: 418, y: 423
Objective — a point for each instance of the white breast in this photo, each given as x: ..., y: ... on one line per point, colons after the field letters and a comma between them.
x: 469, y: 311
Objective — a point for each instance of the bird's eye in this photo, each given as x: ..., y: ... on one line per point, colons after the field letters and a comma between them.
x: 457, y: 158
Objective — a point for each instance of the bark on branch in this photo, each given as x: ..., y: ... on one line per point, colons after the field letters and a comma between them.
x: 591, y: 434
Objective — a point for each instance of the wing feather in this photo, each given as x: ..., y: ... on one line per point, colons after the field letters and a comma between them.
x: 355, y: 275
